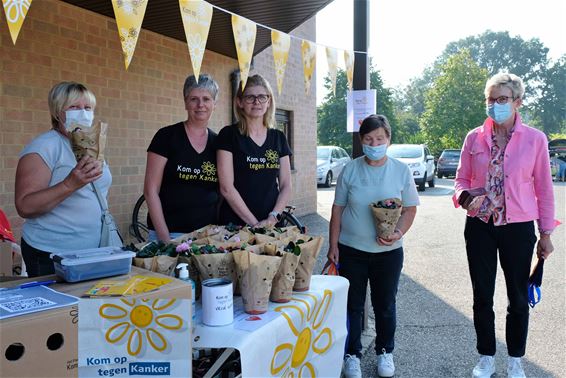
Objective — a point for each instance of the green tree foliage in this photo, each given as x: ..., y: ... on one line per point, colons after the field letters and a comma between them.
x: 549, y: 110
x: 455, y: 103
x: 331, y: 114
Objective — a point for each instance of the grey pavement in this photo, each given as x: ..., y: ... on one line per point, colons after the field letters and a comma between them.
x: 435, y: 333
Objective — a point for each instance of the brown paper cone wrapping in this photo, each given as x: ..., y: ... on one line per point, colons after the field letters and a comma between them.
x: 289, y: 232
x: 89, y: 141
x: 284, y: 280
x: 255, y: 275
x: 385, y: 220
x: 309, y: 252
x: 217, y: 265
x: 144, y: 262
x: 261, y: 238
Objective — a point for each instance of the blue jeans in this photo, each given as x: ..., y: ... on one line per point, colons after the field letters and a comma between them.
x: 383, y: 271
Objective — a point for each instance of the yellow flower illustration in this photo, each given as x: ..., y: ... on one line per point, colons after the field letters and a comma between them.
x: 272, y: 156
x: 129, y: 6
x: 208, y: 168
x: 16, y: 9
x: 138, y: 318
x: 291, y: 359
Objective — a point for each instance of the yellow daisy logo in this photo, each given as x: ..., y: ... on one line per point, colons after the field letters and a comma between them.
x: 312, y: 337
x: 139, y: 320
x: 272, y: 156
x: 208, y: 168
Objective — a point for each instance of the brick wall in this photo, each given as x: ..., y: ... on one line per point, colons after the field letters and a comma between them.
x: 60, y: 42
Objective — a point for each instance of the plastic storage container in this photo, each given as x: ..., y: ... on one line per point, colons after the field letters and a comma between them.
x: 88, y: 264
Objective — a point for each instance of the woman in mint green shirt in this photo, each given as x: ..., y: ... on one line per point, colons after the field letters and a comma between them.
x: 354, y: 243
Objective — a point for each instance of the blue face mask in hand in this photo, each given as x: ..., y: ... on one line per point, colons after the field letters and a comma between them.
x: 499, y: 112
x: 374, y: 153
x: 81, y: 117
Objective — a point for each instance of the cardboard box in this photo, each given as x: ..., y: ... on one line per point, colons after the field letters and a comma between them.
x: 45, y: 344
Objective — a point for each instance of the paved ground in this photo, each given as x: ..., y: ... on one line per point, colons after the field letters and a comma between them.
x: 435, y: 333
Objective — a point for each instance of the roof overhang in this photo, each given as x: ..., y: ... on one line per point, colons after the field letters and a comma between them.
x: 164, y: 17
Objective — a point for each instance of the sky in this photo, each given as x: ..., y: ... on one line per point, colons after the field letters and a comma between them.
x: 408, y: 35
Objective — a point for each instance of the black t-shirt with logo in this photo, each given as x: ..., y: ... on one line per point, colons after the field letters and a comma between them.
x: 256, y: 170
x: 189, y: 188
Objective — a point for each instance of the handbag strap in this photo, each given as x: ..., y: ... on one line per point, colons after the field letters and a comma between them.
x: 101, y: 199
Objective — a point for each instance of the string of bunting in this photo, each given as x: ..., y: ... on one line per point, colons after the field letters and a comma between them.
x: 197, y: 17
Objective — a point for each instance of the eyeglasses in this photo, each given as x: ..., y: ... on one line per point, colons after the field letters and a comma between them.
x: 500, y: 100
x: 250, y: 99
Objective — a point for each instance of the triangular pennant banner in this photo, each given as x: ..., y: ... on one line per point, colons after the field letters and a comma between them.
x: 308, y: 50
x: 16, y: 11
x: 332, y: 58
x: 244, y: 35
x: 281, y: 43
x: 197, y: 15
x: 129, y: 17
x: 349, y: 62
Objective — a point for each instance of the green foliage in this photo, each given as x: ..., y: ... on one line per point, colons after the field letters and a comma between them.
x: 454, y: 104
x: 331, y: 114
x: 549, y: 110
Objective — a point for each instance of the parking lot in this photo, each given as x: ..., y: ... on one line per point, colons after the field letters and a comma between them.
x: 435, y: 334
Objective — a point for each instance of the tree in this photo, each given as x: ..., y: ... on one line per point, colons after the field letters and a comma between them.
x: 549, y: 110
x: 331, y: 114
x: 455, y: 103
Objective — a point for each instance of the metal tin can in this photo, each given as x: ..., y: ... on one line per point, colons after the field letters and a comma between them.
x: 217, y: 302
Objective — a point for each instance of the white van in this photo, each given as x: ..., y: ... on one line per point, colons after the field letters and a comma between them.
x: 419, y: 160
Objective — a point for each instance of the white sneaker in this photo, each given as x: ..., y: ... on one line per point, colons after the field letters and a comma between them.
x: 485, y: 367
x: 352, y: 367
x: 514, y: 368
x: 385, y: 365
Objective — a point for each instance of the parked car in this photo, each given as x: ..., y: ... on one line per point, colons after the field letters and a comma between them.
x: 330, y: 160
x: 448, y: 163
x: 419, y: 160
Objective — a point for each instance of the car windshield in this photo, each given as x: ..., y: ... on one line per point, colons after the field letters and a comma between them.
x: 454, y: 154
x: 404, y: 151
x: 322, y: 153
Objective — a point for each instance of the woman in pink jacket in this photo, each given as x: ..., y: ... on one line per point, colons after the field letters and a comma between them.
x: 504, y: 183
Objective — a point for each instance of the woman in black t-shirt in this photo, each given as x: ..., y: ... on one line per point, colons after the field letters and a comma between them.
x: 181, y: 184
x: 253, y: 160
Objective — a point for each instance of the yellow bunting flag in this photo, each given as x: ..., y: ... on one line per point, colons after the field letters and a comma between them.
x: 308, y: 49
x: 244, y: 35
x: 281, y: 44
x: 349, y: 61
x: 129, y: 17
x: 197, y: 15
x: 332, y: 58
x: 15, y: 11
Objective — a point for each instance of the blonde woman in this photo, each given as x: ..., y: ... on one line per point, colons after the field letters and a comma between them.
x: 254, y: 166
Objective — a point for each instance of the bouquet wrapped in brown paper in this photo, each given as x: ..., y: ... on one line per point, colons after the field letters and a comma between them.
x: 255, y: 274
x: 284, y: 280
x: 89, y: 141
x: 386, y: 213
x: 213, y: 262
x: 310, y: 247
x: 155, y: 256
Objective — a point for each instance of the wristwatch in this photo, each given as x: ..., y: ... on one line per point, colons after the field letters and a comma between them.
x: 275, y: 214
x: 545, y: 232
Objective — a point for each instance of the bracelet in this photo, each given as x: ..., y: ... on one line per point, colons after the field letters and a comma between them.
x: 401, y: 232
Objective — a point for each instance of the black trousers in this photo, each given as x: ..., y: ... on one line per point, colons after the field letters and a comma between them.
x: 383, y: 271
x: 515, y: 243
x: 38, y: 262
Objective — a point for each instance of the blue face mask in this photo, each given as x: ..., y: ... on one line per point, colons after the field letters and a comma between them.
x: 499, y: 112
x: 374, y: 153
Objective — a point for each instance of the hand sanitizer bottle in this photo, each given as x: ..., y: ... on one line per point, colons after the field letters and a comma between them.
x: 184, y: 276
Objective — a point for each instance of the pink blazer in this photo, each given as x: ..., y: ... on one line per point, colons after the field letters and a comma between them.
x: 529, y: 193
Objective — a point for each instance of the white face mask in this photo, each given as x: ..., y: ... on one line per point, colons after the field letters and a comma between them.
x: 81, y: 117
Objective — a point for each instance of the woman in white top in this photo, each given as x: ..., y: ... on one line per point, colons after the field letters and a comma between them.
x: 62, y: 212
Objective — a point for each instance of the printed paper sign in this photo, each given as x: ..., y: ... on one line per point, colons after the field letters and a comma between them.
x: 359, y: 105
x: 197, y: 15
x: 142, y: 337
x: 281, y: 44
x: 129, y: 17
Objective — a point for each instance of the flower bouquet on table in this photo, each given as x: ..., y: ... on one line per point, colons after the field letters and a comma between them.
x: 255, y: 276
x: 386, y: 214
x: 215, y: 262
x: 89, y: 141
x: 310, y: 247
x: 155, y: 256
x: 186, y: 256
x: 284, y: 279
x: 267, y: 234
